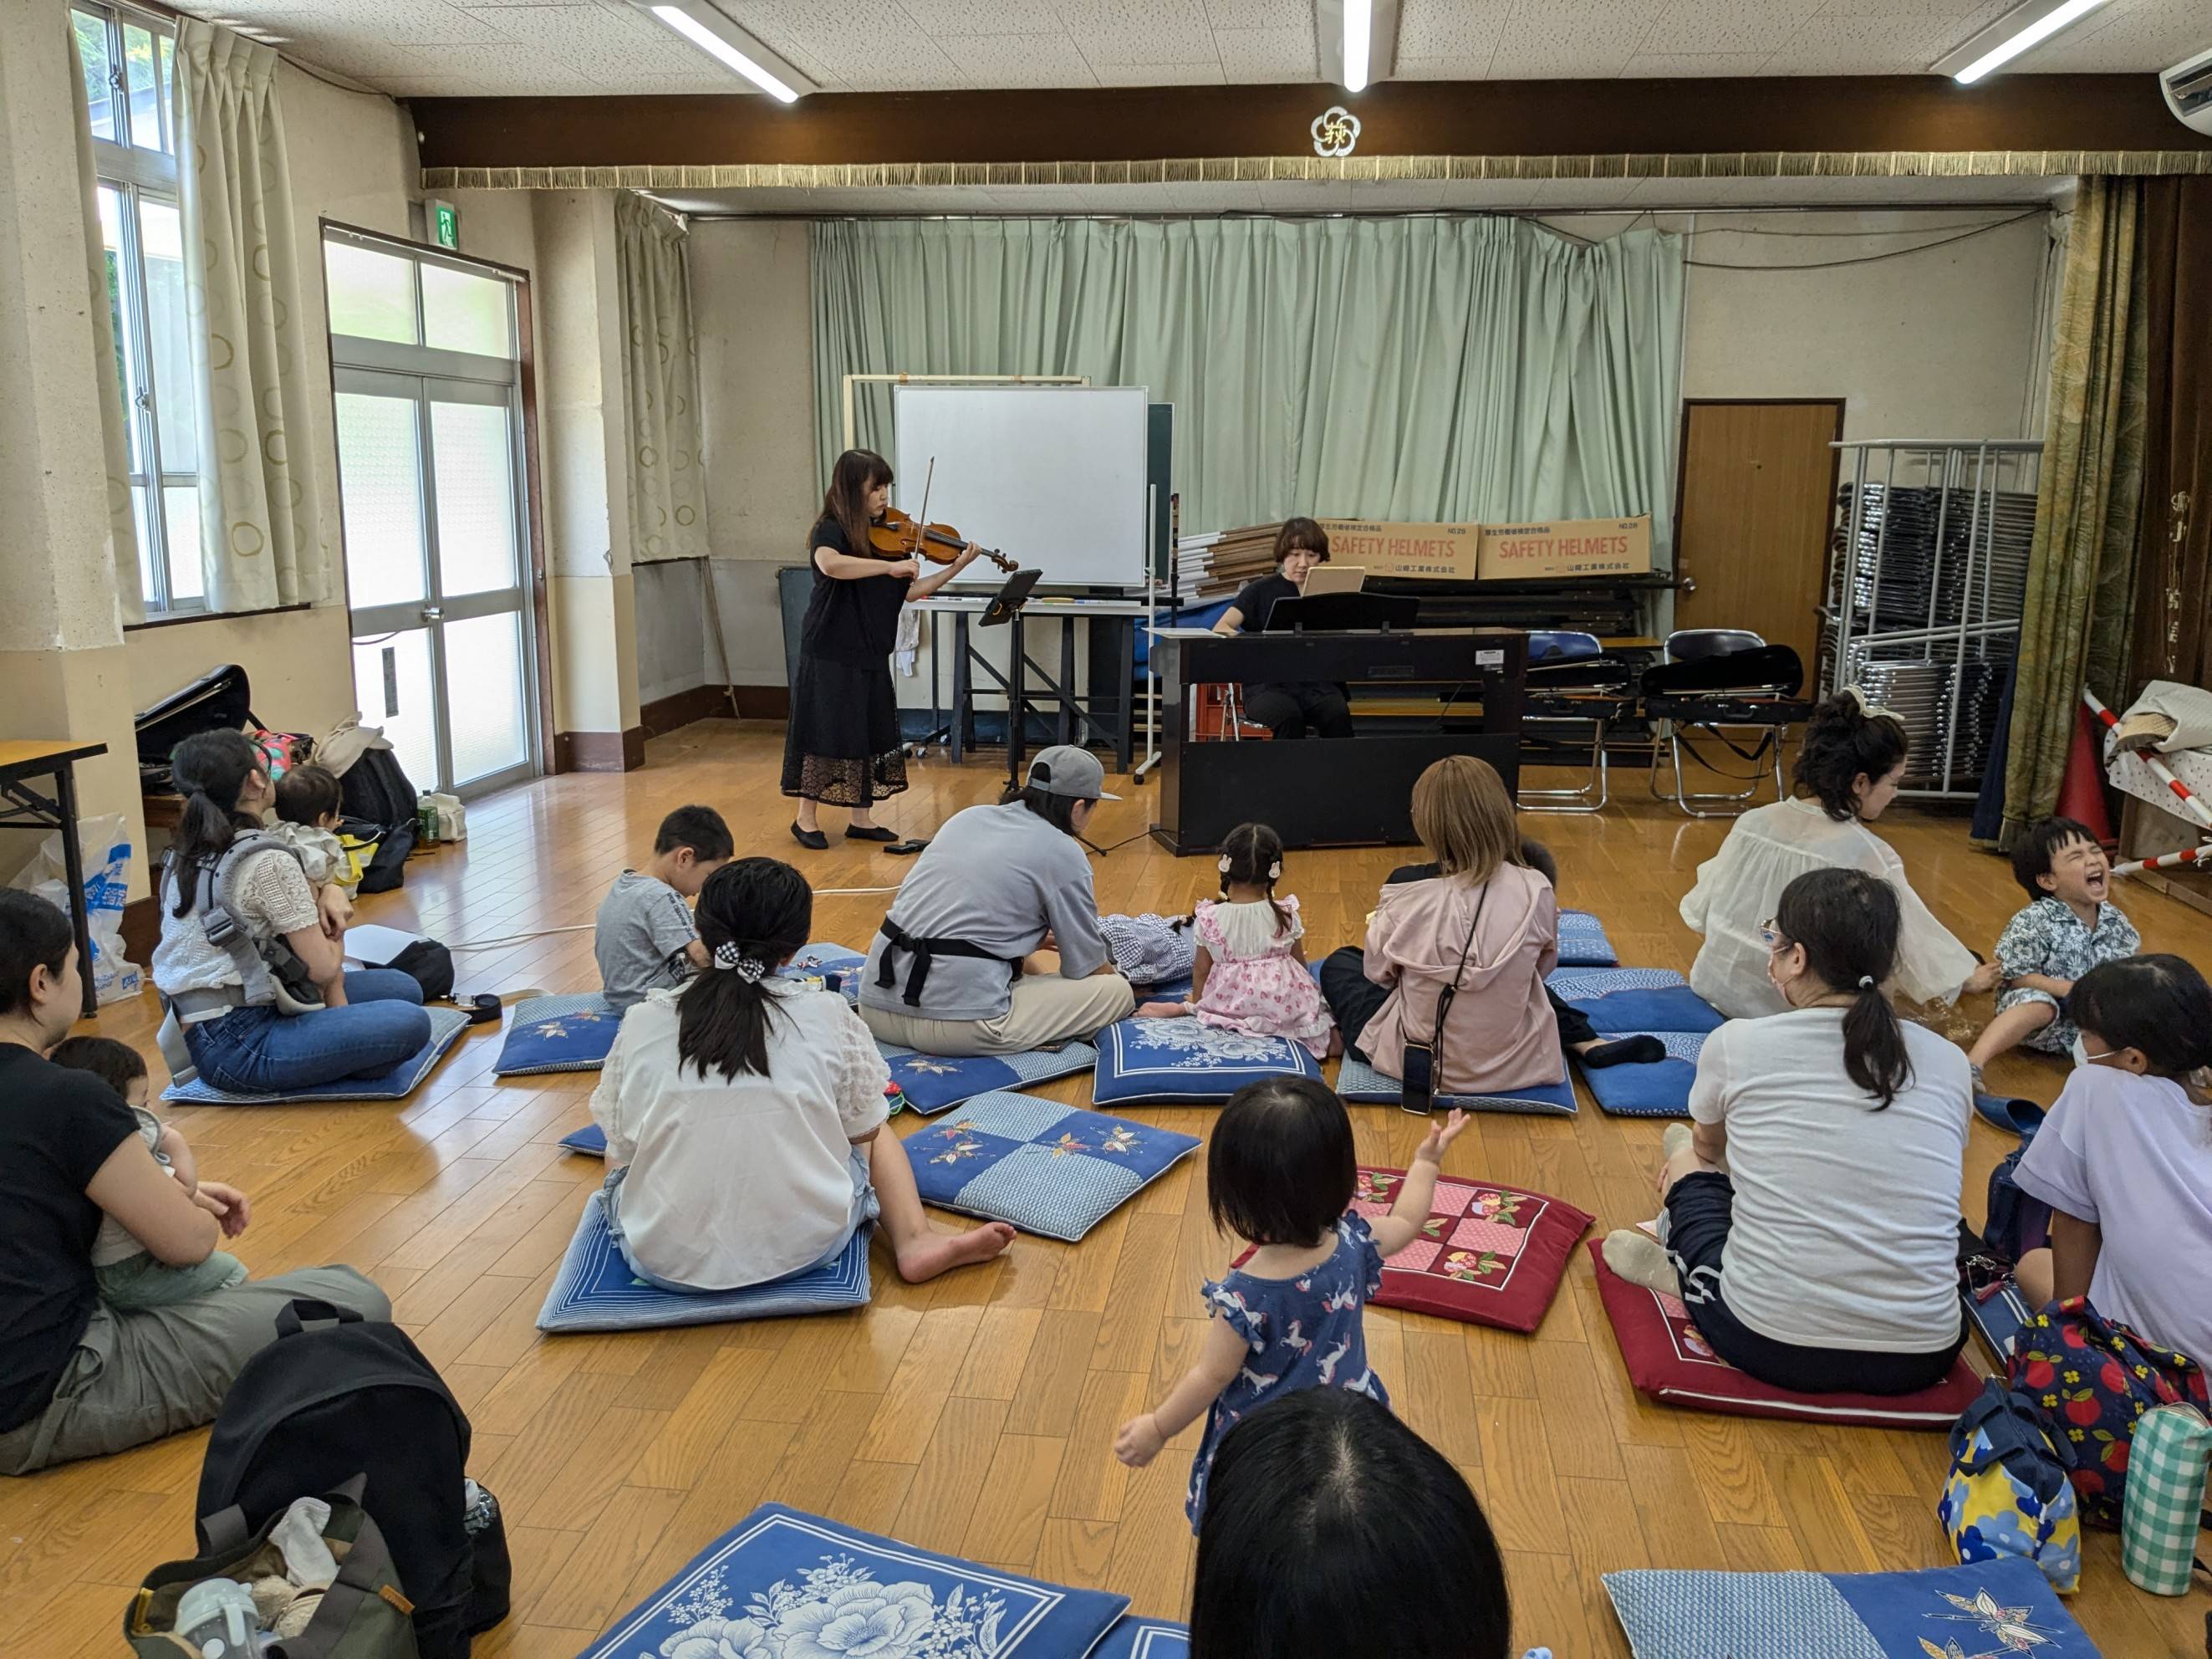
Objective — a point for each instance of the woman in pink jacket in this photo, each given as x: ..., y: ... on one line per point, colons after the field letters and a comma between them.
x: 1487, y: 925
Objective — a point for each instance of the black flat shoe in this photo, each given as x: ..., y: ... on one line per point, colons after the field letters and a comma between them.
x: 810, y: 838
x: 1626, y: 1051
x: 872, y: 832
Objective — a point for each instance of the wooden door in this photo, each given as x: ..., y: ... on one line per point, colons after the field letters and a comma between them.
x: 1756, y: 500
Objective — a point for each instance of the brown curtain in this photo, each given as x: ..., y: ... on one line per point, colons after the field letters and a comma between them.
x: 2173, y: 563
x: 2078, y: 620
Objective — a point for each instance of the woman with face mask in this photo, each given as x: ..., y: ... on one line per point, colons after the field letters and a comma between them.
x: 1848, y: 772
x: 1812, y: 1209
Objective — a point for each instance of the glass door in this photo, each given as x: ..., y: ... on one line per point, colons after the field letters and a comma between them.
x: 430, y: 480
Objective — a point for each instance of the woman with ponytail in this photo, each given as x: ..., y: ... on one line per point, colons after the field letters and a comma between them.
x: 1812, y: 1212
x: 243, y: 1035
x: 744, y: 1114
x: 1848, y: 772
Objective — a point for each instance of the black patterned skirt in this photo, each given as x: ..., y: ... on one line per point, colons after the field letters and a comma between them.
x: 842, y: 747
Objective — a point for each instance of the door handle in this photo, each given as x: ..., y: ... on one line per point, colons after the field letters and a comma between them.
x: 433, y: 613
x: 1686, y: 584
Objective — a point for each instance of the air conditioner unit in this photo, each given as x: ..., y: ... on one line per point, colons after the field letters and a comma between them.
x: 2188, y: 86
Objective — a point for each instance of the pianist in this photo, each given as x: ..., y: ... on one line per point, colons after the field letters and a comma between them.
x: 1289, y: 711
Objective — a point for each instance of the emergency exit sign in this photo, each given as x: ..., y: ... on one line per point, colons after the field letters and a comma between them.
x: 445, y: 225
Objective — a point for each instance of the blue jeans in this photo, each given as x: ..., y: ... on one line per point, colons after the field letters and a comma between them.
x: 260, y: 1051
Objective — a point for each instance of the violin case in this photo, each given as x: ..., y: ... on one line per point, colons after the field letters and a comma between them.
x: 221, y: 699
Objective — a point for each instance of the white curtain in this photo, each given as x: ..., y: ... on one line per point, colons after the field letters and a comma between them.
x: 114, y: 433
x: 260, y: 533
x: 660, y: 383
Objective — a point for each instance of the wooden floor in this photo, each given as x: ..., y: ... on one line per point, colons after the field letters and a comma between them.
x: 976, y: 1415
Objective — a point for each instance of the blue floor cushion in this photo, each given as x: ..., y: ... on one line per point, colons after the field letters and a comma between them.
x: 1143, y: 1061
x: 817, y: 964
x: 1622, y: 1001
x: 559, y: 1034
x: 1362, y: 1085
x: 783, y: 1584
x: 1049, y: 1169
x: 1145, y: 1638
x: 1998, y: 1319
x: 595, y: 1290
x: 590, y: 1140
x: 932, y: 1082
x: 447, y: 1025
x: 1659, y: 1088
x: 1986, y: 1610
x: 1583, y: 942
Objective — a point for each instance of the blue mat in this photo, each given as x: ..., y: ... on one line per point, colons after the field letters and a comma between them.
x: 933, y: 1083
x: 1624, y: 1001
x: 590, y: 1140
x: 595, y: 1290
x: 1152, y: 1060
x: 819, y: 963
x: 1989, y: 1610
x: 1999, y: 1320
x: 1145, y: 1638
x: 558, y: 1034
x: 1583, y: 942
x: 1362, y: 1085
x: 1658, y: 1088
x: 447, y: 1025
x: 782, y: 1584
x: 1049, y: 1169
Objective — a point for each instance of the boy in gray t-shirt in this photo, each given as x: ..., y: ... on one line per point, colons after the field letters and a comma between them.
x: 643, y: 937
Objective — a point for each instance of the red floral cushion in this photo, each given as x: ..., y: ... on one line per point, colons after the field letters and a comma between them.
x: 1488, y: 1253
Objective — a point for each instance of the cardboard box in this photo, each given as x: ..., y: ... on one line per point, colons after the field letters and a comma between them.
x: 1435, y: 552
x: 1568, y: 547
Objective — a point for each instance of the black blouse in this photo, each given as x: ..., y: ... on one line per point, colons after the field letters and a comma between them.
x: 854, y: 622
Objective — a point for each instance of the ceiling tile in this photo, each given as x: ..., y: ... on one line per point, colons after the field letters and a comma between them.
x: 2147, y: 36
x: 1158, y: 75
x: 1267, y: 55
x: 1139, y: 31
x: 940, y: 18
x: 1564, y: 45
x: 1473, y: 67
x: 428, y: 23
x: 1724, y: 26
x: 1262, y: 14
x: 1018, y: 60
x: 1459, y: 29
x: 1695, y: 65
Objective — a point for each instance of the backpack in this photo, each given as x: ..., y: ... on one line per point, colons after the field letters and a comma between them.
x: 376, y: 787
x: 317, y: 1407
x: 2008, y: 1493
x: 386, y: 868
x: 2018, y: 1222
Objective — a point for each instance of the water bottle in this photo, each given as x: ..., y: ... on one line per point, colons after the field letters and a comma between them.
x: 217, y: 1616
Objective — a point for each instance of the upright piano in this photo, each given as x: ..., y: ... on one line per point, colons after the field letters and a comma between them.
x: 1355, y: 791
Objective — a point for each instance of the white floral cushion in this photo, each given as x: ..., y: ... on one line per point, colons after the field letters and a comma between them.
x: 1143, y: 1061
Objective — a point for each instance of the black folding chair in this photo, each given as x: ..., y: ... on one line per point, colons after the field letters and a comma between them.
x: 1718, y: 681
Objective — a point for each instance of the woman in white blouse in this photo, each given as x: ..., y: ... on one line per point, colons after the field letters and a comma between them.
x: 1847, y: 775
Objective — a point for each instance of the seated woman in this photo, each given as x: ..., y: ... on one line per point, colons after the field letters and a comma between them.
x: 237, y: 1021
x: 744, y: 1114
x: 2124, y: 1160
x: 957, y: 967
x: 1333, y: 1528
x: 1289, y: 711
x: 79, y: 1378
x: 1486, y: 932
x: 1847, y: 775
x: 1812, y: 1212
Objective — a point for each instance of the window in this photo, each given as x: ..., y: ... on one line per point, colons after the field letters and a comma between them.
x: 128, y: 61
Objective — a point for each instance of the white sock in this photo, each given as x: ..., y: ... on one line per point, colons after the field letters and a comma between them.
x: 1641, y: 1260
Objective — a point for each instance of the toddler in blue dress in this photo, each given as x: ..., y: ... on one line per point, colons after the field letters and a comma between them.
x: 1279, y: 1173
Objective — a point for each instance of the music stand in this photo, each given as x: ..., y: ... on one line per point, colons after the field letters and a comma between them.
x: 1007, y: 603
x: 1342, y: 613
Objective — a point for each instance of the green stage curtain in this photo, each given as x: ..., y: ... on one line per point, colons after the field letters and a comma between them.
x: 2076, y: 625
x: 1445, y: 369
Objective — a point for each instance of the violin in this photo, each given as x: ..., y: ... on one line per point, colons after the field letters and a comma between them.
x: 898, y: 535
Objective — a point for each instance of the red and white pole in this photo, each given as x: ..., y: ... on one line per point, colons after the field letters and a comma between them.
x: 2190, y: 803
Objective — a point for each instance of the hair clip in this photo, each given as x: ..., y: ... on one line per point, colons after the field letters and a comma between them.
x: 1866, y: 982
x: 751, y: 969
x: 1222, y: 864
x: 1275, y: 870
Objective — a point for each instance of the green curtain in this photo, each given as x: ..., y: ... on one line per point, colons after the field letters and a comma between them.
x: 1425, y: 369
x: 2076, y: 625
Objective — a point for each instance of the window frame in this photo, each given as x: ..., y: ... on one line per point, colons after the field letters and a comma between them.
x: 141, y: 173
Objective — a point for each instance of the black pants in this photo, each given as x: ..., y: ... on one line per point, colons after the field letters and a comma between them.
x: 1354, y: 999
x: 1700, y: 1210
x: 1292, y: 711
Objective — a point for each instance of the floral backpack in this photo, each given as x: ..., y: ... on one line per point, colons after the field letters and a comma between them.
x: 2091, y: 1378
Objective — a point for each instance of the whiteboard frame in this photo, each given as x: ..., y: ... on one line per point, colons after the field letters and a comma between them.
x: 852, y: 420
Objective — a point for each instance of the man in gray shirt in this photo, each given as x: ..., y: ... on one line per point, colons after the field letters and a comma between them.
x: 956, y: 968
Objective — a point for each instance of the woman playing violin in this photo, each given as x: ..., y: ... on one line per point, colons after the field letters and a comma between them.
x: 842, y: 747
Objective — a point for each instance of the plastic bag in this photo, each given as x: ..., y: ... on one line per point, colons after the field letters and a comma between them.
x: 450, y: 821
x: 107, y: 856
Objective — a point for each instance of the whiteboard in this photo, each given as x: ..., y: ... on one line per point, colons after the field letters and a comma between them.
x: 1052, y: 477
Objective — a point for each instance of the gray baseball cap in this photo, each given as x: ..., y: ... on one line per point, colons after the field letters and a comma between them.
x: 1063, y: 769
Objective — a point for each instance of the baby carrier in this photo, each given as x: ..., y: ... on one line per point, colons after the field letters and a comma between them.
x: 269, y: 971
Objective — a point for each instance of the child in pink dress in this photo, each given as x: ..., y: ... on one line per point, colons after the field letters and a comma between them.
x: 1250, y: 973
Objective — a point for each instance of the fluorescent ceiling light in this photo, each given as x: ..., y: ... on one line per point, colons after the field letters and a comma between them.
x: 719, y: 39
x: 1356, y: 41
x: 2018, y: 30
x: 1358, y: 24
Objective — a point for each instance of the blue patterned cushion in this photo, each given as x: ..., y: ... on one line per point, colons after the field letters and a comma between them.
x: 447, y: 1025
x: 1049, y: 1169
x: 1656, y: 1089
x: 1583, y: 942
x: 932, y: 1082
x: 1145, y: 1638
x: 590, y: 1140
x: 558, y: 1034
x: 1362, y: 1085
x: 595, y: 1290
x: 819, y: 962
x: 782, y: 1584
x: 1623, y: 1001
x: 1185, y: 1059
x: 1989, y: 1608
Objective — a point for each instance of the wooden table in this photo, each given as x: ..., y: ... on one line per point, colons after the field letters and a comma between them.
x: 22, y: 807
